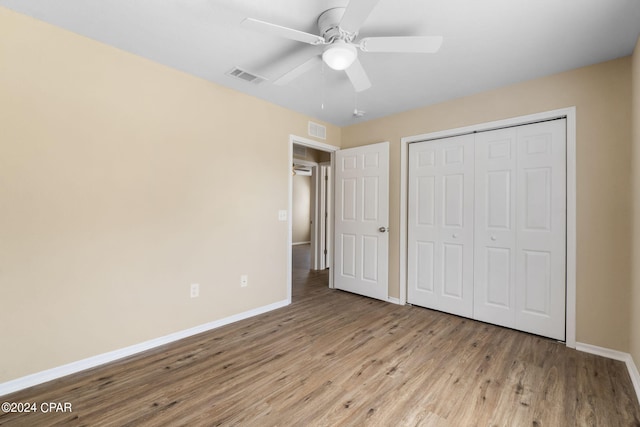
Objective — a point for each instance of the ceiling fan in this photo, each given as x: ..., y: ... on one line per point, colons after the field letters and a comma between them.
x: 339, y: 29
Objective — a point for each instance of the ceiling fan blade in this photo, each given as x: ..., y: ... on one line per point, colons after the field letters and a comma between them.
x: 356, y: 13
x: 293, y: 74
x: 401, y: 44
x: 358, y: 76
x: 280, y: 31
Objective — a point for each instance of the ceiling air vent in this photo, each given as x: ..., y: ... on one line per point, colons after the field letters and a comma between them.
x: 317, y: 130
x: 245, y: 75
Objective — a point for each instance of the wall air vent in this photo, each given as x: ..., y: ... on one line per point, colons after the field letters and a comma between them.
x: 317, y: 130
x: 245, y: 75
x: 299, y: 151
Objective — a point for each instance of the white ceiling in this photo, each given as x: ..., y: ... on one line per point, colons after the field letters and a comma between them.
x: 487, y: 44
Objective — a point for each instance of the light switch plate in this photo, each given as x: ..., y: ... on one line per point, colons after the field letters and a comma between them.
x: 282, y: 215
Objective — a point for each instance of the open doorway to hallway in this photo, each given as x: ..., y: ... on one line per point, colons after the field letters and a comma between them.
x: 311, y: 204
x: 306, y: 282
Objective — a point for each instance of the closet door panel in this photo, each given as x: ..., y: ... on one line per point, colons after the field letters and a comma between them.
x: 423, y: 256
x: 495, y: 234
x: 540, y: 284
x: 440, y: 242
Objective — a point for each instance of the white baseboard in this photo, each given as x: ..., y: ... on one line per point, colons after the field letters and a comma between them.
x: 616, y: 355
x: 101, y: 359
x: 300, y: 243
x: 602, y: 351
x: 635, y: 375
x: 393, y: 300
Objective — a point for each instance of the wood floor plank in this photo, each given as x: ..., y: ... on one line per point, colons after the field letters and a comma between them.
x: 333, y: 358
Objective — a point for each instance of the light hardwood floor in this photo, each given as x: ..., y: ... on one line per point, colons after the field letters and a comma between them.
x: 333, y: 358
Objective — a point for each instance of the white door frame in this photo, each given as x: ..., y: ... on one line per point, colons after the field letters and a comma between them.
x: 294, y: 139
x: 570, y: 114
x: 322, y: 222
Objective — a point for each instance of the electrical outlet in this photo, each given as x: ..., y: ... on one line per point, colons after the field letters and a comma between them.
x: 195, y: 290
x: 244, y: 281
x: 282, y: 215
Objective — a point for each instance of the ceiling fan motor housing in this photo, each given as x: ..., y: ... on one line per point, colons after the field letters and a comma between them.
x: 329, y: 25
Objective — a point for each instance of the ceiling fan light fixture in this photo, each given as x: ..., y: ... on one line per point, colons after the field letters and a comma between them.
x: 339, y: 55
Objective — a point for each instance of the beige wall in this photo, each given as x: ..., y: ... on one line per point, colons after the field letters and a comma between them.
x: 635, y: 261
x: 122, y: 182
x: 116, y: 191
x: 601, y: 94
x: 301, y: 215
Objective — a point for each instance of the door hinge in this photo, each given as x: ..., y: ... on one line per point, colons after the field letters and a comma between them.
x: 325, y: 251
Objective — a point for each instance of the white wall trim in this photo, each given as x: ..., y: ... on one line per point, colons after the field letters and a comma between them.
x: 635, y: 375
x: 570, y: 114
x: 615, y: 355
x: 602, y: 351
x: 394, y: 300
x: 101, y: 359
x: 404, y: 231
x: 300, y: 243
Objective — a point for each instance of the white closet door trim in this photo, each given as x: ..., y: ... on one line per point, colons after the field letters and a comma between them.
x: 570, y: 114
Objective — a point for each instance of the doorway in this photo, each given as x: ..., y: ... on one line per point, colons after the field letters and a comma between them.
x: 310, y: 218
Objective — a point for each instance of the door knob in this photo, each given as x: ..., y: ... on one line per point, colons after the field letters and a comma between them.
x: 383, y: 229
x: 493, y: 238
x: 455, y: 235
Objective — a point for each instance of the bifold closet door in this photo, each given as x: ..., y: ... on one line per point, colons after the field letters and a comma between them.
x: 506, y: 219
x: 440, y: 252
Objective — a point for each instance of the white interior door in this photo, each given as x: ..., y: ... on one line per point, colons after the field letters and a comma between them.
x: 440, y: 241
x: 495, y: 227
x: 541, y: 229
x: 361, y: 244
